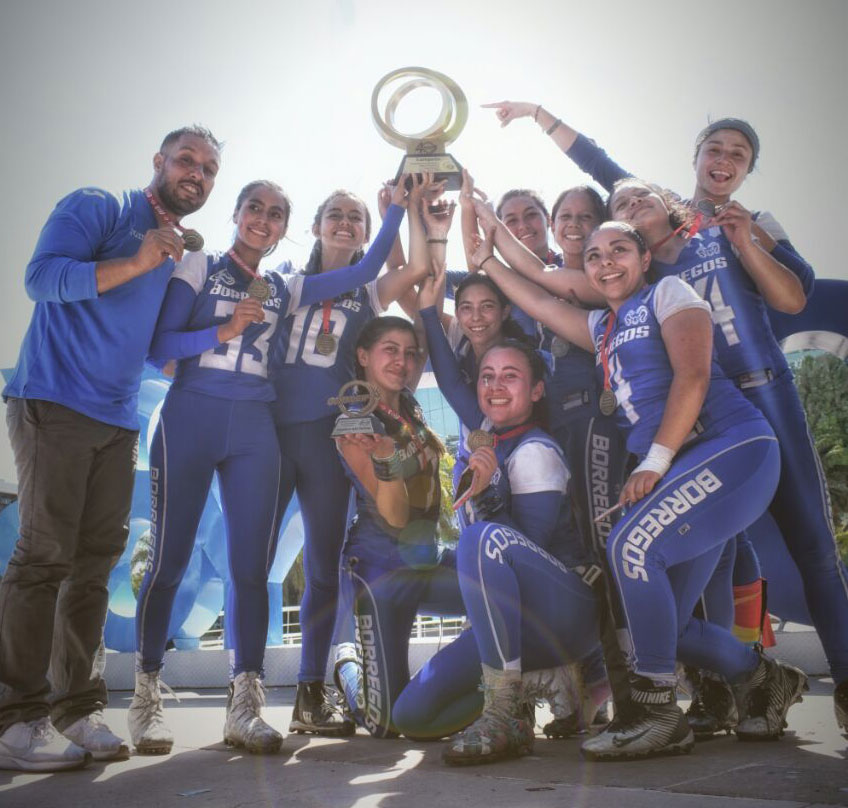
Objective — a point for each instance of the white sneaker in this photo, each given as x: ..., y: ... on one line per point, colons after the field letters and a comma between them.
x: 92, y: 734
x: 244, y: 725
x: 146, y: 719
x: 37, y: 746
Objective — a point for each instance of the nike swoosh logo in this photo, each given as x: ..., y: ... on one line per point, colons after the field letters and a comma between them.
x: 619, y: 740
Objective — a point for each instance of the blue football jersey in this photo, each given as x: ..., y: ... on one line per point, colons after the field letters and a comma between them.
x: 237, y: 369
x: 640, y: 370
x: 528, y: 463
x: 304, y: 377
x: 743, y: 336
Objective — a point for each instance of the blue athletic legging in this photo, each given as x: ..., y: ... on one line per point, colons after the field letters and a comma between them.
x: 522, y: 603
x: 198, y: 435
x: 664, y: 550
x: 801, y: 508
x: 323, y: 491
x: 386, y: 602
x: 596, y: 456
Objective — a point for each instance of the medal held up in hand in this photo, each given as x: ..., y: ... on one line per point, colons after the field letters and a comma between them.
x: 425, y: 150
x: 192, y: 240
x: 359, y: 421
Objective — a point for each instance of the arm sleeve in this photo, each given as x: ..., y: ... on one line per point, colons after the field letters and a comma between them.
x: 537, y: 515
x: 538, y: 479
x: 171, y: 340
x: 592, y: 159
x: 786, y: 253
x: 673, y: 295
x: 309, y: 289
x: 63, y: 266
x: 462, y: 400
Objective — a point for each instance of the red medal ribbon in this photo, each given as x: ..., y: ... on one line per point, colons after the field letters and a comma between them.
x: 693, y: 229
x: 325, y: 320
x: 155, y: 204
x: 515, y: 431
x: 605, y: 352
x: 241, y: 263
x: 398, y: 417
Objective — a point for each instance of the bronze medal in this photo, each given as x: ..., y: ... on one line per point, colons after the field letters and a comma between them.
x: 193, y: 241
x: 259, y: 289
x: 479, y: 438
x: 325, y: 343
x: 559, y: 347
x: 608, y: 402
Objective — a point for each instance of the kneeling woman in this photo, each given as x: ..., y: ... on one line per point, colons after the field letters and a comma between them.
x: 510, y: 569
x: 391, y: 553
x: 709, y: 467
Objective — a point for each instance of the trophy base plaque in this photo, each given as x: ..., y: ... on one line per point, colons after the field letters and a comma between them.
x: 443, y: 166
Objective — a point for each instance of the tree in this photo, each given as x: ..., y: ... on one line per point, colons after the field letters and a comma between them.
x: 822, y: 382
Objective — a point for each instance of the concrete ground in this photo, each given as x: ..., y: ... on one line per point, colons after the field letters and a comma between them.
x: 808, y: 767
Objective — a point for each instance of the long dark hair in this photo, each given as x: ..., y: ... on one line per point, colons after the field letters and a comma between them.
x: 509, y: 328
x: 370, y: 334
x: 313, y: 263
x: 538, y: 373
x: 248, y: 189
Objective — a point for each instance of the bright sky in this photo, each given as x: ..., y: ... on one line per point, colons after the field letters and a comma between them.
x: 89, y: 88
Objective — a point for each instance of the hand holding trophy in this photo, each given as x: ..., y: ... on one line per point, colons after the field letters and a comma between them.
x: 425, y: 150
x: 361, y: 420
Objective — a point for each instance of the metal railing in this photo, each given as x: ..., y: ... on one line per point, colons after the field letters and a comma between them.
x: 425, y: 627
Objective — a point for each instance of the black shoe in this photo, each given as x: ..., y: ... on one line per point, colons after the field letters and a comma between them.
x: 713, y: 708
x: 765, y: 699
x: 840, y: 706
x: 653, y: 725
x: 316, y: 709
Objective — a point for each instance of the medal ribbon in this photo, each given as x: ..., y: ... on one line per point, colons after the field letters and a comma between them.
x: 155, y: 204
x: 325, y: 321
x: 515, y: 431
x: 693, y: 229
x: 398, y: 417
x: 242, y: 264
x: 605, y: 352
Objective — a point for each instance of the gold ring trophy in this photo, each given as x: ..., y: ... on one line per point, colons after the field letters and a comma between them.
x: 359, y: 421
x: 425, y: 150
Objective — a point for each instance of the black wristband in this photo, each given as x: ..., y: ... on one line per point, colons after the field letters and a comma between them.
x: 486, y: 259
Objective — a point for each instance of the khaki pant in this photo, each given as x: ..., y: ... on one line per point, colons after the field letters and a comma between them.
x: 75, y: 479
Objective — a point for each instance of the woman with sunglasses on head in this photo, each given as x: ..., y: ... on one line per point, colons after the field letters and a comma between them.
x: 740, y: 263
x: 709, y: 464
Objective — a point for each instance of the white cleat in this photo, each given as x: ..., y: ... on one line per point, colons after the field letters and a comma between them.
x: 244, y: 725
x: 149, y: 733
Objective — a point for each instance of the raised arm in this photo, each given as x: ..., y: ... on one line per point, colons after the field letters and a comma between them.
x: 564, y: 319
x: 328, y: 285
x: 779, y: 286
x: 564, y: 283
x: 588, y: 156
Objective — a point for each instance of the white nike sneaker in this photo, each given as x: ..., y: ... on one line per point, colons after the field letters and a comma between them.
x: 92, y: 734
x: 37, y: 746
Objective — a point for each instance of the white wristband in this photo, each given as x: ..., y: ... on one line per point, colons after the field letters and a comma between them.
x: 658, y: 459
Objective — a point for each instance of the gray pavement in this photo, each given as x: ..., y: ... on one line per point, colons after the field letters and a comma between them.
x: 808, y: 767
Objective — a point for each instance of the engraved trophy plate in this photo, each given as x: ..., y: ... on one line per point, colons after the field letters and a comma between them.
x: 362, y: 420
x: 425, y: 150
